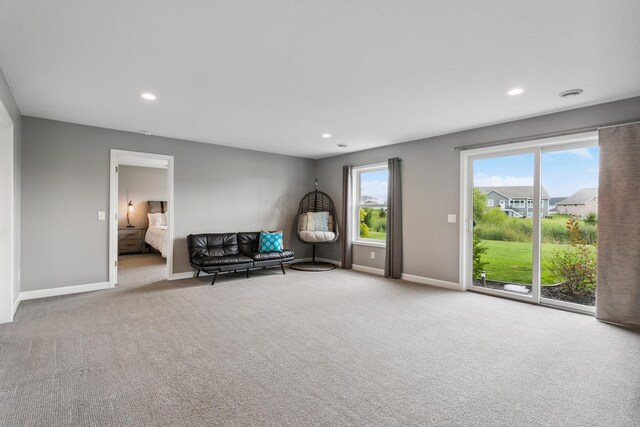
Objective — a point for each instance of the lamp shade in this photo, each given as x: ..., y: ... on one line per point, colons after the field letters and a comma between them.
x: 130, y: 208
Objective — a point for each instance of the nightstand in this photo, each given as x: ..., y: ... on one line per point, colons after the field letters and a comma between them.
x: 131, y: 240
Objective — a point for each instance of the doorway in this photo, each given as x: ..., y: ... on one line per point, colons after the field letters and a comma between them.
x: 8, y: 291
x: 141, y: 216
x: 531, y: 221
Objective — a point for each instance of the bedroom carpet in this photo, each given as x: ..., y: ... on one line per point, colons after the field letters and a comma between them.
x: 330, y: 349
x: 141, y: 269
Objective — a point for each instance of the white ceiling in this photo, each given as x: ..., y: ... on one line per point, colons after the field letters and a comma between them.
x: 274, y: 75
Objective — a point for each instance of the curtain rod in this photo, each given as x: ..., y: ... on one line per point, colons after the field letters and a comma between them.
x: 543, y: 135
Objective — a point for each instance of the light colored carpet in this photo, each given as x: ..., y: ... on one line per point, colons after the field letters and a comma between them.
x: 337, y: 348
x: 141, y: 269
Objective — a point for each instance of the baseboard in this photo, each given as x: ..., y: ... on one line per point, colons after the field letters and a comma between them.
x: 16, y: 304
x: 64, y: 290
x: 432, y: 282
x: 180, y: 276
x: 370, y: 270
x: 411, y: 278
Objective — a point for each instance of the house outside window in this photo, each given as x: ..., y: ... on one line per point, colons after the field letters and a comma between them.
x: 490, y: 203
x: 516, y: 201
x: 370, y: 186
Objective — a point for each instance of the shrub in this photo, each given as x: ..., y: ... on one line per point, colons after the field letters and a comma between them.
x: 478, y: 251
x: 368, y: 216
x: 554, y: 232
x: 493, y: 227
x: 500, y: 232
x: 575, y: 265
x: 509, y: 229
x: 494, y: 216
x: 379, y: 224
x: 364, y: 228
x: 591, y: 218
x: 479, y: 204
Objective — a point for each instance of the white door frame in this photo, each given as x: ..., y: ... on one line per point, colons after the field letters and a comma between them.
x: 7, y: 220
x: 118, y: 156
x: 535, y: 147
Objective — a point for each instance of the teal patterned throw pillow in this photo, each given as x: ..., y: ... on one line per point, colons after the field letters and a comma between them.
x: 270, y: 242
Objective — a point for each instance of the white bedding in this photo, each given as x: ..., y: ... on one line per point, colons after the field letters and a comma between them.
x: 157, y: 237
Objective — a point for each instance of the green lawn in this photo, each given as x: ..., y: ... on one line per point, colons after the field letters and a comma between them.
x: 511, y: 261
x: 377, y: 235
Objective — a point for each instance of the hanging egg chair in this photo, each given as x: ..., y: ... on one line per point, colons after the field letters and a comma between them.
x: 316, y: 224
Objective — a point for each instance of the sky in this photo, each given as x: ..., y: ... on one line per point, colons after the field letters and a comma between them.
x: 375, y: 184
x: 563, y: 172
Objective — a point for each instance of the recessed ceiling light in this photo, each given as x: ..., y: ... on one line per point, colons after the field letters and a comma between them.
x: 148, y: 96
x: 326, y: 135
x: 515, y: 91
x: 342, y: 145
x: 570, y: 93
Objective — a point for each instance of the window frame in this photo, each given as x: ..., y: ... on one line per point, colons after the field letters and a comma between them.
x: 538, y: 147
x: 355, y: 203
x: 490, y: 203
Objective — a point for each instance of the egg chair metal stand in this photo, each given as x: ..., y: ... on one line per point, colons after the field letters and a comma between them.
x: 315, y: 202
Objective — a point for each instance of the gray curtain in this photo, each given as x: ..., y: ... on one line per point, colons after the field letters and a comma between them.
x: 618, y: 291
x: 393, y: 256
x: 346, y: 220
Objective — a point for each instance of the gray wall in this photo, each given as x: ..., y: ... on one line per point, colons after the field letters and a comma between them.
x: 65, y: 181
x: 139, y: 185
x: 12, y: 108
x: 65, y: 172
x: 431, y: 183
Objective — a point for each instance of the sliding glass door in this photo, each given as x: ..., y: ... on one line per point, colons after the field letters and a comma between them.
x: 530, y: 228
x: 570, y: 228
x: 502, y: 248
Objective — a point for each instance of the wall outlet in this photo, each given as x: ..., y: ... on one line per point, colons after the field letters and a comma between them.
x: 373, y: 255
x: 101, y: 216
x: 451, y: 218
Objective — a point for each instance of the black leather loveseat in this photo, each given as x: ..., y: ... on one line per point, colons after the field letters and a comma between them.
x: 218, y: 252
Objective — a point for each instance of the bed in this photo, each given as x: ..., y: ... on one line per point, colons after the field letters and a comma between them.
x: 156, y: 235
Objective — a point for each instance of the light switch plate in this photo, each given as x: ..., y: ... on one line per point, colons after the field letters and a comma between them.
x: 373, y: 255
x: 101, y: 216
x: 451, y: 218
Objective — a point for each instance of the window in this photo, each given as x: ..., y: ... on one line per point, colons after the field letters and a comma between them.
x: 490, y: 202
x: 517, y: 203
x: 370, y: 207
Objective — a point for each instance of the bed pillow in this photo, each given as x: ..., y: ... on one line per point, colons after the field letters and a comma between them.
x: 270, y: 242
x: 317, y: 221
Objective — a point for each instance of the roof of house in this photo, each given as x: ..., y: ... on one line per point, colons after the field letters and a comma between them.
x: 555, y: 200
x: 514, y: 192
x: 580, y: 197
